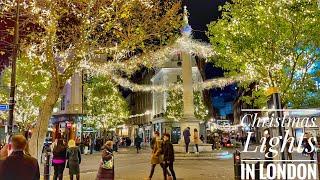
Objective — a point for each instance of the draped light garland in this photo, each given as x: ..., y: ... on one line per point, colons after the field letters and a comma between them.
x: 158, y: 59
x: 152, y: 58
x: 199, y: 86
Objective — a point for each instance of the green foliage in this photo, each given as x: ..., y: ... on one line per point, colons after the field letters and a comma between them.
x: 105, y: 105
x: 32, y: 84
x: 174, y: 109
x: 273, y: 42
x: 200, y: 110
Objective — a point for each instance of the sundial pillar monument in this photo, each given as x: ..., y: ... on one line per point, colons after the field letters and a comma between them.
x: 188, y: 119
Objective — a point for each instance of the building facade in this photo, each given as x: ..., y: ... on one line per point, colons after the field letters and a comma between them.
x: 140, y: 104
x: 166, y: 76
x: 68, y: 115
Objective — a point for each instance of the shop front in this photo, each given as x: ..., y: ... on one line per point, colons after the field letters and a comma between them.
x: 66, y: 127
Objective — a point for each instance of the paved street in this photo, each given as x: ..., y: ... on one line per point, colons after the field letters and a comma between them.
x: 132, y: 166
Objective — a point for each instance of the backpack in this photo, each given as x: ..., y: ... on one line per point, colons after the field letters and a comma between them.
x: 73, y: 155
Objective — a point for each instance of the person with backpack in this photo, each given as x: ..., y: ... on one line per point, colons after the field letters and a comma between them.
x: 74, y: 159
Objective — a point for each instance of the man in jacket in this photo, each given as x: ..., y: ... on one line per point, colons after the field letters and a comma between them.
x: 168, y: 155
x: 186, y: 136
x: 137, y: 142
x: 17, y: 165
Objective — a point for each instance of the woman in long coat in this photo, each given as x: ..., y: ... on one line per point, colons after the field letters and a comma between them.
x: 104, y: 173
x: 157, y: 156
x: 196, y: 139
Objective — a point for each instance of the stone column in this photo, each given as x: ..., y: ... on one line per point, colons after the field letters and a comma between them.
x: 188, y: 120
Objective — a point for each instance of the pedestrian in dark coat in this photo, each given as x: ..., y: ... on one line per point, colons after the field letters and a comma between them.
x: 59, y: 159
x: 103, y: 173
x: 74, y: 159
x: 186, y: 136
x: 137, y: 142
x: 168, y: 155
x: 19, y: 166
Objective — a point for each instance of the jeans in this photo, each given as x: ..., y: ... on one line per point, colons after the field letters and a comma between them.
x: 58, y: 171
x: 187, y: 147
x: 170, y: 165
x: 163, y: 169
x: 197, y: 147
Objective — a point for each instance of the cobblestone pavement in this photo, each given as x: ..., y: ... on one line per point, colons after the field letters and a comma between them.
x: 132, y: 166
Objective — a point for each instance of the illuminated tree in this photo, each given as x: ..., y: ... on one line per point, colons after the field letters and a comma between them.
x: 105, y: 106
x: 273, y: 43
x: 32, y: 84
x: 174, y: 109
x: 62, y: 34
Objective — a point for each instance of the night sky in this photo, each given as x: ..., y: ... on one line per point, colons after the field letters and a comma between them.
x: 202, y: 12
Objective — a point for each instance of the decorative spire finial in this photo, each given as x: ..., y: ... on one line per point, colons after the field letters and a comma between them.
x: 185, y: 15
x: 186, y: 29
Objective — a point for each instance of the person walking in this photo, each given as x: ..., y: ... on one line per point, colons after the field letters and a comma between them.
x: 74, y: 159
x: 17, y: 165
x: 186, y: 136
x: 157, y: 156
x: 92, y: 143
x: 59, y: 159
x: 106, y: 169
x: 168, y: 155
x: 137, y: 142
x: 196, y: 139
x: 115, y: 143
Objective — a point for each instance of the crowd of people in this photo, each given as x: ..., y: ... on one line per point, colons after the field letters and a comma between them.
x: 16, y: 163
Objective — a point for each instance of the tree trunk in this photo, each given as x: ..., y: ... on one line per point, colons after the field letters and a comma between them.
x: 45, y: 112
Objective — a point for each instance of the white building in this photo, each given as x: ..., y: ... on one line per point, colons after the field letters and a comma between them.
x: 166, y: 76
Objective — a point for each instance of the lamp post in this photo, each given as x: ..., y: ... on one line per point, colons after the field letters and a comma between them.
x: 13, y: 73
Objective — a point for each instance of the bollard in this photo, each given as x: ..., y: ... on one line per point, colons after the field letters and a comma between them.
x: 237, y: 165
x: 318, y: 161
x: 257, y: 170
x: 46, y: 173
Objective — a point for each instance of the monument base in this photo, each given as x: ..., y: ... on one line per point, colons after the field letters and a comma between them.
x: 181, y: 148
x: 205, y: 153
x: 192, y: 123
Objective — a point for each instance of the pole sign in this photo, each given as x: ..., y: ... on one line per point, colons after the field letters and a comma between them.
x: 4, y: 107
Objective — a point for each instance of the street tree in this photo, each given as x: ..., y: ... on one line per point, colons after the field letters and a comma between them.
x: 105, y: 106
x: 273, y: 43
x: 62, y: 34
x: 32, y: 85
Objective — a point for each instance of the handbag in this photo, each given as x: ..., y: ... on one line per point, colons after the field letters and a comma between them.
x: 107, y: 164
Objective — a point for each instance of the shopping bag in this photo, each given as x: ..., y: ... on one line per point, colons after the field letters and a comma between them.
x: 107, y: 164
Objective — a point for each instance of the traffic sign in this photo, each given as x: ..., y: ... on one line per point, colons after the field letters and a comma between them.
x: 4, y: 107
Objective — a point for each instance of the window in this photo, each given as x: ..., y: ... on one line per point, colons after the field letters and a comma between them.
x: 63, y: 103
